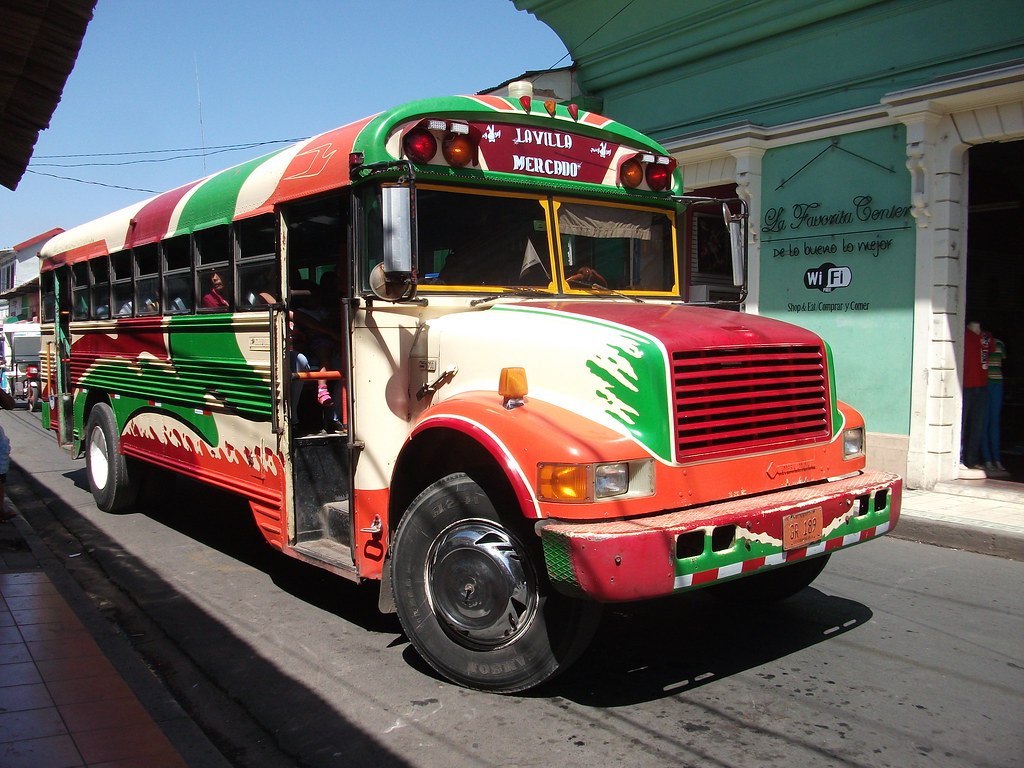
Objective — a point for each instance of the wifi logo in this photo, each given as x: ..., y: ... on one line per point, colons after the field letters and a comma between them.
x: 827, y: 278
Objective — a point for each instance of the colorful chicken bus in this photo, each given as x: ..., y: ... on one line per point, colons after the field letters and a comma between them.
x: 446, y: 348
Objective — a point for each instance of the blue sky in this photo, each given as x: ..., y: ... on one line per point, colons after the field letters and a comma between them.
x: 267, y: 70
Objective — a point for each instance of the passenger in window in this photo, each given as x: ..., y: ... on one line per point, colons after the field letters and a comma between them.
x: 217, y: 298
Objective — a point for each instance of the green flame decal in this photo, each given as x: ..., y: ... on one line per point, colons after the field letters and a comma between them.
x: 635, y: 390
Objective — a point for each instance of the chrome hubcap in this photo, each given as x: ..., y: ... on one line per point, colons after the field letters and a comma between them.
x: 98, y: 466
x: 481, y: 587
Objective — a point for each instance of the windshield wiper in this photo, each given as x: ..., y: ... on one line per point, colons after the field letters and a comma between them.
x: 525, y: 292
x: 592, y: 286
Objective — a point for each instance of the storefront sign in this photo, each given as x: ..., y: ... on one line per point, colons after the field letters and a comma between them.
x: 838, y: 257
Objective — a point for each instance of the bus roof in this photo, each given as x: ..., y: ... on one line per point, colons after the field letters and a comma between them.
x: 318, y: 164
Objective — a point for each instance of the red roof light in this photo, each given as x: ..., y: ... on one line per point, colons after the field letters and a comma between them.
x: 659, y: 176
x: 419, y: 145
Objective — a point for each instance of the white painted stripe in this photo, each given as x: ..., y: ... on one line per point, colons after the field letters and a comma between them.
x: 685, y: 580
x: 730, y: 570
x: 816, y: 549
x: 262, y: 182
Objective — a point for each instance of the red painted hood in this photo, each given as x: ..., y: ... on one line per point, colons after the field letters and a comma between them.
x: 679, y: 326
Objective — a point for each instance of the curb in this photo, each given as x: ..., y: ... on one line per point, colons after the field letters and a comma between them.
x: 970, y: 538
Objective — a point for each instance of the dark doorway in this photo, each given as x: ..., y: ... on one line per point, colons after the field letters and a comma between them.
x: 995, y: 276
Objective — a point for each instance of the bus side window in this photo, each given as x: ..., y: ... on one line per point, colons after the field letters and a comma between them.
x: 147, y: 280
x: 49, y: 293
x: 100, y: 287
x: 258, y: 278
x: 213, y: 254
x: 257, y: 283
x: 178, y: 290
x: 80, y: 291
x: 121, y: 283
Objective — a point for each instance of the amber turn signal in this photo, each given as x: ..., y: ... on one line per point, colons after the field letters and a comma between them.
x: 512, y: 383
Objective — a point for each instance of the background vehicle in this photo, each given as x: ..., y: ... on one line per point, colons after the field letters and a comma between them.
x: 21, y: 356
x: 445, y: 347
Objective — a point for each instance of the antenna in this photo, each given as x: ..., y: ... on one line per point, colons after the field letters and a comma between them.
x: 199, y: 101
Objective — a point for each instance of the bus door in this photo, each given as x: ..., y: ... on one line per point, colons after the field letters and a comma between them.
x: 61, y: 397
x: 317, y: 394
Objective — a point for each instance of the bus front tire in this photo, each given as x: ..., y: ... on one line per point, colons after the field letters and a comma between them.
x: 472, y: 598
x: 113, y: 486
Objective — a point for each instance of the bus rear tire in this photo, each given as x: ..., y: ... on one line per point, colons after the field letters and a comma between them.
x: 774, y: 585
x: 113, y: 486
x: 472, y: 596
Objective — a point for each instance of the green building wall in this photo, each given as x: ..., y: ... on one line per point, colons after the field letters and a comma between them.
x: 853, y: 189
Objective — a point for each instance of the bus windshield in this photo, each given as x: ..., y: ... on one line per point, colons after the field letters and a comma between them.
x: 486, y: 240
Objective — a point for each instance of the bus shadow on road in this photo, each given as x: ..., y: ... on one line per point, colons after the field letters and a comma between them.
x: 661, y: 648
x: 228, y: 526
x: 642, y: 651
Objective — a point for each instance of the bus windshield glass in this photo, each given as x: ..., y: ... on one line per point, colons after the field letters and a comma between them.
x: 624, y: 249
x: 493, y: 241
x: 482, y: 240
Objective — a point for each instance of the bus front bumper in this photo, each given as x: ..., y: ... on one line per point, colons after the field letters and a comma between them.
x: 640, y: 558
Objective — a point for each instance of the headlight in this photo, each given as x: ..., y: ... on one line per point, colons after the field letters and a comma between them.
x: 853, y: 442
x: 593, y: 482
x: 611, y: 480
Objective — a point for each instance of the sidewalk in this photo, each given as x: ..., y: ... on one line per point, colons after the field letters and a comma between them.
x: 984, y: 516
x: 72, y: 692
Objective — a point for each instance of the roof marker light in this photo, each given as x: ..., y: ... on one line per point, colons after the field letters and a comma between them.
x: 574, y: 111
x: 550, y: 105
x: 525, y: 101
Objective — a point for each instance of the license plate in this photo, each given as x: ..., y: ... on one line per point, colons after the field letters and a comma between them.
x: 801, y: 529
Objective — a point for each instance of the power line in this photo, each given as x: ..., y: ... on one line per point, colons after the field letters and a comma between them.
x: 95, y: 183
x: 247, y: 145
x: 191, y: 152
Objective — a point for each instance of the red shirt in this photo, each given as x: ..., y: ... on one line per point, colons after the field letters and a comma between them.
x: 214, y: 299
x: 976, y: 349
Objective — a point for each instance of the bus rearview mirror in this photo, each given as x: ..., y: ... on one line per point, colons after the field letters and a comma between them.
x: 396, y: 205
x: 738, y: 250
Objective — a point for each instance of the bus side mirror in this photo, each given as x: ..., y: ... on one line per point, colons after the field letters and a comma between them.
x: 395, y: 277
x: 737, y: 244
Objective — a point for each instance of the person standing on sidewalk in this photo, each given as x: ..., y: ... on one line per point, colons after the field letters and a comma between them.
x: 7, y: 403
x: 975, y: 396
x: 990, y: 436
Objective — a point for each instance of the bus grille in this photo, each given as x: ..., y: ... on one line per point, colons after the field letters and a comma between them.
x: 729, y: 401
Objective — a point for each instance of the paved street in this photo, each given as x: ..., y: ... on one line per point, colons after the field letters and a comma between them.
x: 901, y: 654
